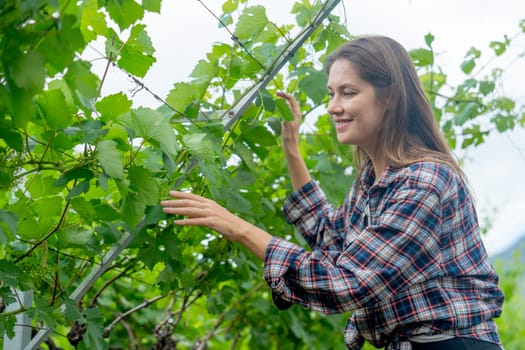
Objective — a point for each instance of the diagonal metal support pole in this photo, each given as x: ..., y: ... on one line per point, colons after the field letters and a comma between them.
x: 240, y: 106
x: 230, y: 117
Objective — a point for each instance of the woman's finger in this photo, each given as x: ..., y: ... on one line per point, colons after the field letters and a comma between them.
x: 292, y: 103
x: 186, y: 211
x: 173, y: 203
x: 192, y: 222
x: 187, y: 195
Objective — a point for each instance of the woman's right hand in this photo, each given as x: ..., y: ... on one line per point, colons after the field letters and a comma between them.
x: 290, y: 129
x: 299, y: 174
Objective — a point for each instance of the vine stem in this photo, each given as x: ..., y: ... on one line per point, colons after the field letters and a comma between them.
x: 145, y: 304
x: 187, y: 303
x: 46, y: 237
x: 201, y: 344
x: 99, y: 292
x: 110, y: 59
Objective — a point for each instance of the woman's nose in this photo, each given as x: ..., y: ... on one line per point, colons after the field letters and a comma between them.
x: 334, y: 107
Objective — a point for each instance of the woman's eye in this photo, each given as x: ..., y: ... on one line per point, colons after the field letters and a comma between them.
x: 330, y: 95
x: 348, y: 93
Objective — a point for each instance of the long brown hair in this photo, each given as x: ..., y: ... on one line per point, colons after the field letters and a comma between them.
x: 409, y: 132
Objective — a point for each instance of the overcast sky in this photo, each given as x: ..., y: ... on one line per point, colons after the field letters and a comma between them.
x: 185, y: 32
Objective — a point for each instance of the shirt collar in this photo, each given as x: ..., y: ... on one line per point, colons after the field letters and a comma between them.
x: 386, y: 178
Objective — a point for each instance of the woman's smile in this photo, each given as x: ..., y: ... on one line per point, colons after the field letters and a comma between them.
x: 342, y: 123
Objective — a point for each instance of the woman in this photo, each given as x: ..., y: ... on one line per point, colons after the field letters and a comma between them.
x: 404, y: 251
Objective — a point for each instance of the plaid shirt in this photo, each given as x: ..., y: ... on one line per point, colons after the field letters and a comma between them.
x: 404, y: 254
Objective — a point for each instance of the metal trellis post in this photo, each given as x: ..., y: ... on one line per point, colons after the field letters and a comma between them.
x: 23, y: 322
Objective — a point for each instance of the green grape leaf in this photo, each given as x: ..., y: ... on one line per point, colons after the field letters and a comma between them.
x: 80, y: 78
x: 486, y: 87
x: 143, y: 183
x: 499, y: 47
x: 429, y: 39
x: 314, y: 85
x: 205, y: 70
x: 152, y: 126
x: 62, y: 85
x: 13, y: 139
x: 54, y: 108
x: 504, y: 122
x: 246, y: 154
x: 51, y: 315
x: 6, y: 294
x: 28, y: 71
x: 473, y: 53
x: 230, y: 5
x: 8, y: 226
x: 182, y: 95
x: 49, y: 206
x: 6, y: 178
x: 237, y: 203
x: 466, y: 113
x: 283, y: 109
x: 252, y: 21
x: 467, y: 66
x: 266, y: 100
x: 124, y: 12
x: 62, y: 142
x: 473, y: 136
x: 81, y: 187
x: 304, y: 12
x: 422, y: 57
x: 93, y: 338
x: 92, y: 21
x: 75, y: 237
x: 59, y: 46
x: 41, y: 185
x: 116, y: 132
x: 504, y: 103
x: 151, y: 5
x: 83, y: 208
x: 132, y: 209
x: 74, y: 174
x: 110, y: 158
x: 7, y: 325
x: 21, y: 103
x: 10, y: 273
x: 258, y: 134
x: 112, y: 106
x: 200, y: 145
x: 143, y: 190
x: 136, y: 57
x: 72, y: 313
x: 105, y: 212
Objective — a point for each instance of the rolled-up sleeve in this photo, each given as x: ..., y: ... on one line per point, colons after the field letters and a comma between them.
x: 310, y: 279
x: 321, y: 225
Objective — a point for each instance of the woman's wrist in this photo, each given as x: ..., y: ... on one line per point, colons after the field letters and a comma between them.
x: 254, y: 239
x: 293, y: 155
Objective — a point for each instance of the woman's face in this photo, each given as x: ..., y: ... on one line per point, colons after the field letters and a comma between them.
x: 354, y: 107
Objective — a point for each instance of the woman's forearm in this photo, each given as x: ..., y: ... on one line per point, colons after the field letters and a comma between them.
x: 297, y: 169
x: 299, y: 174
x: 255, y: 240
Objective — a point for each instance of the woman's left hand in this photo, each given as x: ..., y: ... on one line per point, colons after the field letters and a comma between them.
x: 200, y: 211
